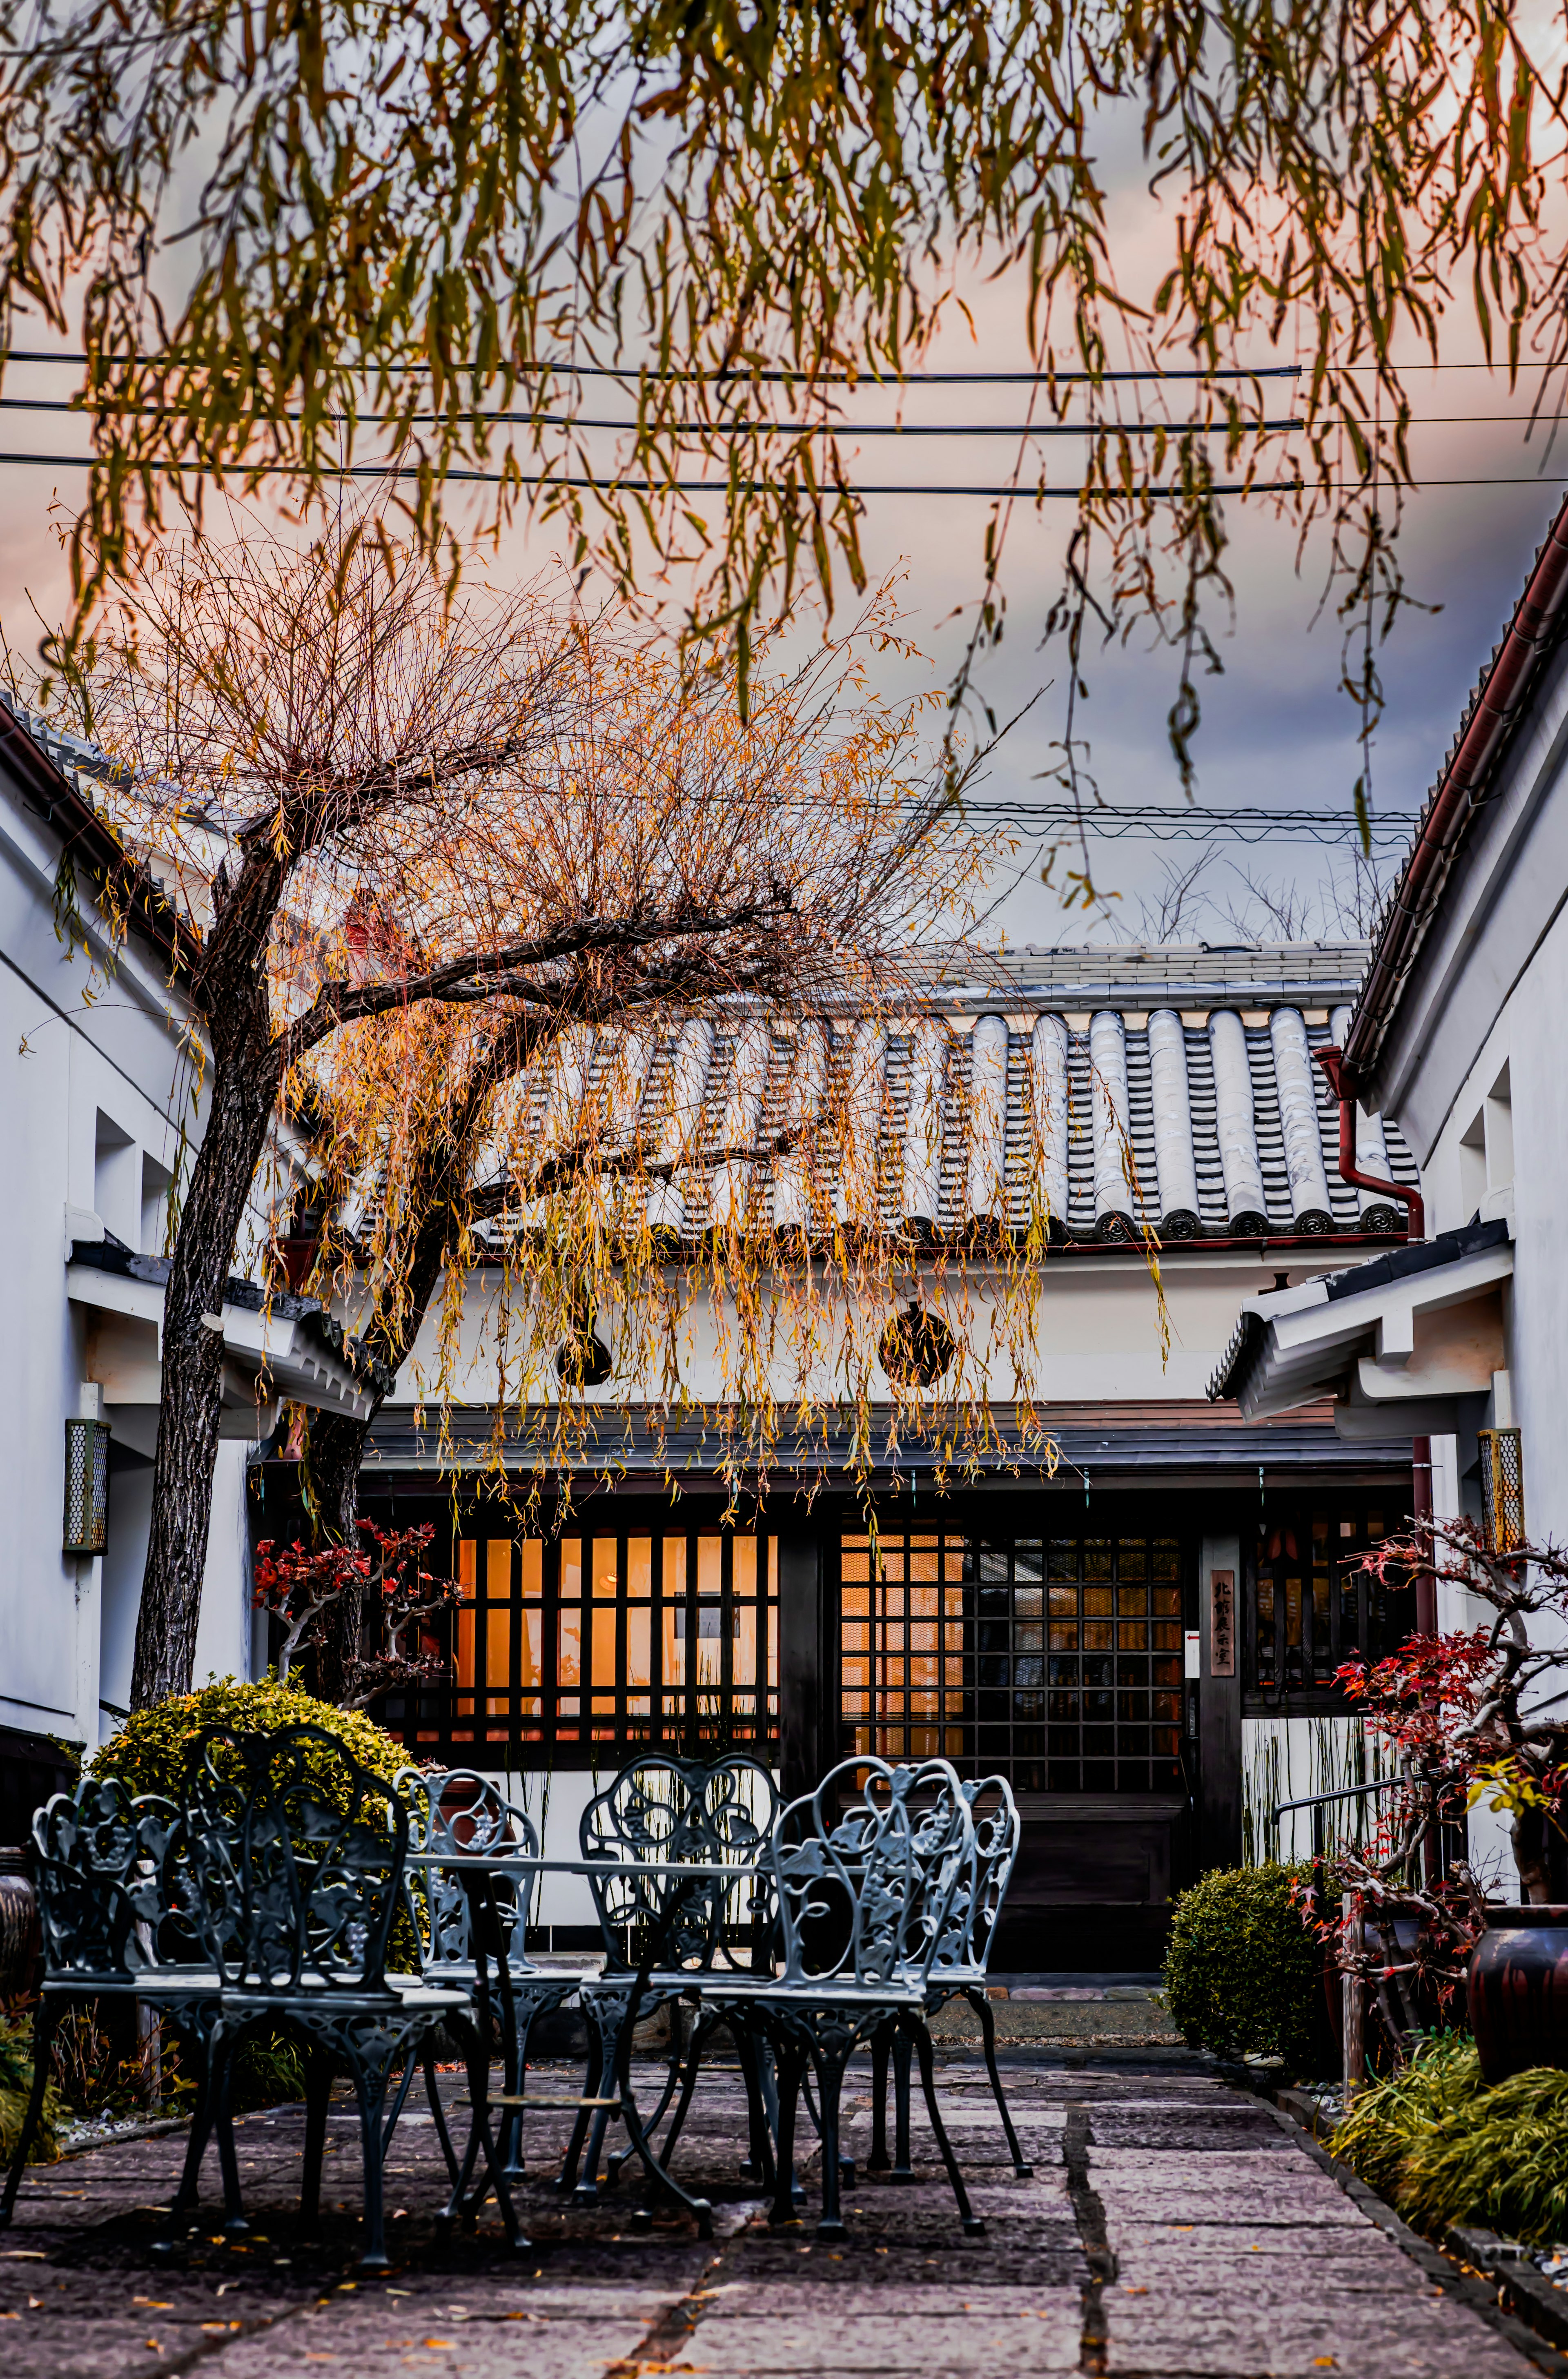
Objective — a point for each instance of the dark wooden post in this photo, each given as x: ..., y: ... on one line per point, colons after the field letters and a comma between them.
x: 1220, y: 1606
x: 803, y: 1685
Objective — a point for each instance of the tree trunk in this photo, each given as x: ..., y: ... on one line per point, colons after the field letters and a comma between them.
x: 334, y: 1448
x: 1531, y: 1854
x: 244, y: 1085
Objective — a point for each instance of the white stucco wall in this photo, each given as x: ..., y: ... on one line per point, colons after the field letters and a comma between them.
x: 93, y: 1090
x: 1504, y: 996
x: 1097, y: 1337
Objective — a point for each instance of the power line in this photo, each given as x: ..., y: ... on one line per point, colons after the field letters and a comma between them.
x: 1012, y: 490
x: 710, y: 428
x: 737, y: 428
x: 741, y: 379
x: 1193, y: 823
x: 642, y: 487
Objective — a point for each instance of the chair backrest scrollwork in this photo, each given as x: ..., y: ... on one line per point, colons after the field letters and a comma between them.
x: 997, y: 1828
x: 457, y: 1810
x: 98, y: 1861
x: 665, y: 1811
x: 299, y: 1851
x: 875, y: 1889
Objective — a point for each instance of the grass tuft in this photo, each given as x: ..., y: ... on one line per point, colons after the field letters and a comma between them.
x: 1442, y: 2148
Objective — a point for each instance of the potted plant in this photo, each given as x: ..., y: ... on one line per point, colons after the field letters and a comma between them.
x: 1471, y: 1715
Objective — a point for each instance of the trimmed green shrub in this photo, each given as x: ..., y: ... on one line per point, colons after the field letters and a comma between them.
x: 1239, y: 1970
x: 147, y: 1751
x: 1442, y: 2148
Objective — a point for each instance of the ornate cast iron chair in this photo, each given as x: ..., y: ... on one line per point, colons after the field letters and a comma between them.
x: 115, y: 1907
x: 457, y: 1810
x: 299, y: 1854
x: 959, y: 1972
x: 870, y: 1897
x: 665, y: 1937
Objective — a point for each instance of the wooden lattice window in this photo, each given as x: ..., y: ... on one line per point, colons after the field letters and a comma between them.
x: 1314, y: 1607
x: 578, y: 1650
x: 1055, y: 1661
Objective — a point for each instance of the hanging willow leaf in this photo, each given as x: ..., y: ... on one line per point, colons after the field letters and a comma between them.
x: 295, y: 238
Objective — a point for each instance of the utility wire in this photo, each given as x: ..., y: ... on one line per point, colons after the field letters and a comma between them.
x: 740, y: 379
x: 1016, y: 490
x: 612, y: 485
x: 709, y: 428
x: 1194, y: 824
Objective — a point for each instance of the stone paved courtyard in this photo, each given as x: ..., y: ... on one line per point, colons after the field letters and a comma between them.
x: 1173, y: 2225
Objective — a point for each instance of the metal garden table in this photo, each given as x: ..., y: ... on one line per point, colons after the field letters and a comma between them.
x: 482, y: 1873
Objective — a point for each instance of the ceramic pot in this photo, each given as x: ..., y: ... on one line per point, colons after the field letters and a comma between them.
x: 1518, y: 1990
x: 21, y: 1945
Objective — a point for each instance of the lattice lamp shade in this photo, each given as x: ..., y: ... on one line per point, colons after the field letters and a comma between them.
x: 87, y: 1486
x: 1502, y: 1489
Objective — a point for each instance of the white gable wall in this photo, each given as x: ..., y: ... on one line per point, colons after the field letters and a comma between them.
x: 93, y: 1092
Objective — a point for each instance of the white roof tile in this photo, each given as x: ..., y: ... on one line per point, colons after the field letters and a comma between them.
x: 950, y: 1118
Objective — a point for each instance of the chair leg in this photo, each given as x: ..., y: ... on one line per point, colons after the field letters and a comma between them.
x: 974, y: 2226
x: 608, y: 2015
x: 478, y: 2087
x: 43, y: 2024
x: 371, y: 2088
x: 791, y: 2062
x: 829, y: 2082
x: 317, y: 2096
x: 759, y: 2164
x: 400, y: 2099
x: 675, y: 2073
x: 877, y: 2160
x: 593, y: 2077
x: 903, y: 2163
x: 234, y: 2223
x: 186, y: 2195
x: 981, y: 2007
x: 524, y: 2009
x: 438, y: 2112
x: 701, y: 2031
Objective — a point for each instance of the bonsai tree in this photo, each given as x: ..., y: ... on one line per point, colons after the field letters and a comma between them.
x: 1481, y: 1714
x: 334, y: 1591
x: 1470, y: 1716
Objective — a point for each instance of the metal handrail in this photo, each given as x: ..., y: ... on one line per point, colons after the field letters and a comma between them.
x: 1317, y: 1801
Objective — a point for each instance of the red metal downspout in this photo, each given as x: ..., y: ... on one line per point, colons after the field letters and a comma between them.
x: 1332, y: 1063
x: 1531, y: 633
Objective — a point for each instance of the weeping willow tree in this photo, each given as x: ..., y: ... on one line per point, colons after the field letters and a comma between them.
x: 597, y: 1213
x: 291, y: 239
x: 418, y: 846
x: 640, y: 1150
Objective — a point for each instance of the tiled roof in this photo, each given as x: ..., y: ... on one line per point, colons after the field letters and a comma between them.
x: 1231, y: 974
x: 630, y: 1453
x: 961, y: 1114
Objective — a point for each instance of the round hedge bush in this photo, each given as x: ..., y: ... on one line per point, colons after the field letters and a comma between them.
x: 147, y: 1751
x: 1239, y: 1975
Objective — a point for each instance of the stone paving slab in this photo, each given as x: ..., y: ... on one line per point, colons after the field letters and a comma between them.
x: 1172, y: 2229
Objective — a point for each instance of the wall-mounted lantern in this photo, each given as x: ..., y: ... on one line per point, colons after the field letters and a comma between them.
x: 916, y: 1347
x: 1502, y: 1489
x: 87, y: 1486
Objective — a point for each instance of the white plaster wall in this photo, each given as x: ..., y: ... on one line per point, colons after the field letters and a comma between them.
x: 74, y: 1049
x: 1289, y: 1759
x: 555, y: 1802
x: 1097, y: 1334
x: 224, y: 1632
x: 1527, y: 1037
